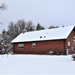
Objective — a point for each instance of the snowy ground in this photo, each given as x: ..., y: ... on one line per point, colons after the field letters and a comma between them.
x: 36, y: 65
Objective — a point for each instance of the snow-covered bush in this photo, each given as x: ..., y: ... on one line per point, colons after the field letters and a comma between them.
x: 73, y: 56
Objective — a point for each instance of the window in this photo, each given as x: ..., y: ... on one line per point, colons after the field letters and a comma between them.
x: 20, y: 46
x: 68, y: 44
x: 33, y: 45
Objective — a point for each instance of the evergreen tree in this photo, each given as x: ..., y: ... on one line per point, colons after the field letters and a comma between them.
x: 39, y: 27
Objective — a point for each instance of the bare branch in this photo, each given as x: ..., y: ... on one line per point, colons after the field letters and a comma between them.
x: 3, y: 6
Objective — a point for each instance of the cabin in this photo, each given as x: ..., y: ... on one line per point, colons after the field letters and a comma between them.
x: 49, y: 41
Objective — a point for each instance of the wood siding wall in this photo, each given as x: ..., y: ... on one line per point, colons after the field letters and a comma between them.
x: 71, y: 39
x: 41, y: 47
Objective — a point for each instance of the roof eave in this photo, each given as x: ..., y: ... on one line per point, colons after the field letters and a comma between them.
x: 39, y: 40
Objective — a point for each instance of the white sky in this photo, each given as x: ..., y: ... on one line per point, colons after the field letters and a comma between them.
x: 46, y: 12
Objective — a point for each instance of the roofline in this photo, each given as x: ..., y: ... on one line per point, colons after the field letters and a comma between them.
x: 38, y: 41
x: 52, y: 38
x: 71, y: 31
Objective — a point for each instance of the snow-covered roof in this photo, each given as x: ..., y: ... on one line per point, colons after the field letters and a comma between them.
x: 47, y: 34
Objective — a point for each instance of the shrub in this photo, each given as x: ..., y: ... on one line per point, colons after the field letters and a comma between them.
x: 73, y: 56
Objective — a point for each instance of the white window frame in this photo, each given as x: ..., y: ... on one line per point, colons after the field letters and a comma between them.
x: 33, y: 45
x: 21, y: 46
x: 69, y: 43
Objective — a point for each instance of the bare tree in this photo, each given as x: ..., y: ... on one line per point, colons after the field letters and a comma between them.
x: 2, y: 6
x: 30, y: 26
x: 11, y: 30
x: 52, y: 26
x: 21, y: 25
x: 14, y: 29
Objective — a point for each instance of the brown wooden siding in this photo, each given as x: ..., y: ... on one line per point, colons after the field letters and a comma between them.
x: 71, y: 38
x: 41, y: 47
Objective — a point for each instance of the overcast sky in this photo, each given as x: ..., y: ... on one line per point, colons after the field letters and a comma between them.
x: 46, y: 12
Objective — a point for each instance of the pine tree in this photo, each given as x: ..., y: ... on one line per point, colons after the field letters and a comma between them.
x: 39, y: 27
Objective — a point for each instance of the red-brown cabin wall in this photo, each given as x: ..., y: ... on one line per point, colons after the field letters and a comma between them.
x: 42, y: 47
x: 71, y: 39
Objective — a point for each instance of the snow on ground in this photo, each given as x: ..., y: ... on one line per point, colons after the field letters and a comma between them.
x: 36, y: 65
